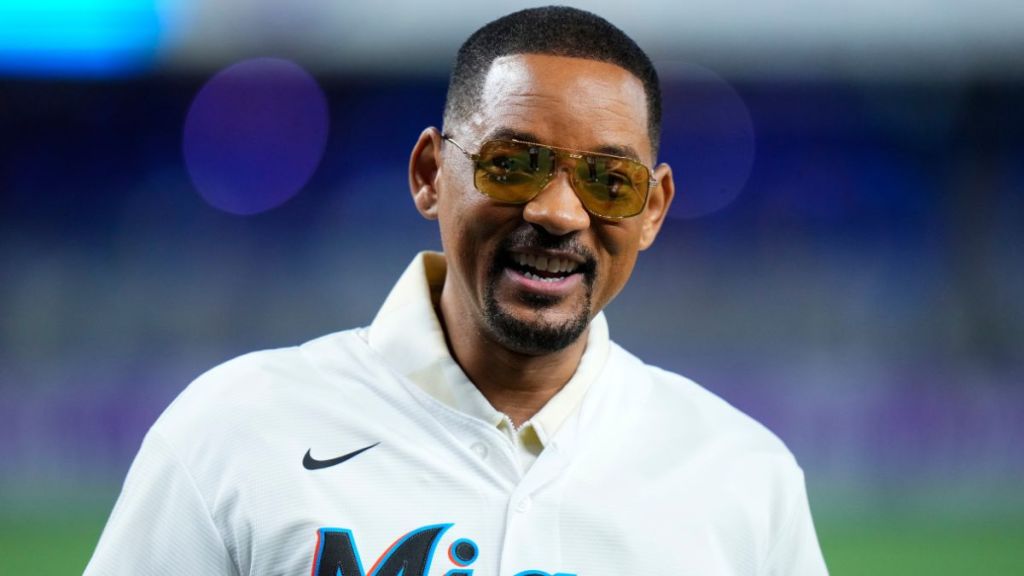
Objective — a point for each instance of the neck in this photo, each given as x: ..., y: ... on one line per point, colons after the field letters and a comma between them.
x: 516, y: 384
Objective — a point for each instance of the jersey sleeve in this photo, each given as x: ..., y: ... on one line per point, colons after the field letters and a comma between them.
x: 160, y: 524
x: 796, y: 551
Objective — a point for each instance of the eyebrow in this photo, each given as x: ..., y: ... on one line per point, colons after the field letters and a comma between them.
x: 610, y: 149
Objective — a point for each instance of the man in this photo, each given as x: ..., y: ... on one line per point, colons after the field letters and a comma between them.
x: 483, y: 423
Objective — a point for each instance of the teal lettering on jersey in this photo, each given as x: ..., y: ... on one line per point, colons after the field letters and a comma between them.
x: 411, y: 555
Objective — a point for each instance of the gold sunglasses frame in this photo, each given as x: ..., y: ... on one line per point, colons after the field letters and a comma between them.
x: 576, y: 154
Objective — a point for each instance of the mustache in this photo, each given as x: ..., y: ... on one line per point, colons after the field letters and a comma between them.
x: 536, y: 238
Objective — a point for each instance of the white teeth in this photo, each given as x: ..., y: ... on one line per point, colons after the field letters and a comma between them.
x: 545, y: 263
x: 533, y: 276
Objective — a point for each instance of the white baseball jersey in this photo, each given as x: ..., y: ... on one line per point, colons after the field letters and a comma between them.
x: 327, y: 459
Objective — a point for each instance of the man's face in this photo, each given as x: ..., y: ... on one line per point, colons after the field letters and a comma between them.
x: 497, y: 276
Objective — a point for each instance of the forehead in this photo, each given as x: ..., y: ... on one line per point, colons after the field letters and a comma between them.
x: 569, y: 102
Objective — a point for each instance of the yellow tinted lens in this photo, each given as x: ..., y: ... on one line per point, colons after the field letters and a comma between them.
x: 611, y: 187
x: 512, y: 171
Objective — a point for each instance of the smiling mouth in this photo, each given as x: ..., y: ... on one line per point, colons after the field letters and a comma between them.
x: 543, y: 268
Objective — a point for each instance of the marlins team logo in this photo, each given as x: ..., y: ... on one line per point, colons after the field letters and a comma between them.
x: 410, y: 555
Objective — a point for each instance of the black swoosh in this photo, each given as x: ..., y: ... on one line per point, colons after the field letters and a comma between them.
x: 310, y: 463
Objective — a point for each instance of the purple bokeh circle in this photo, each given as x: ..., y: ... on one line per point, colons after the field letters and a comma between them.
x: 255, y: 134
x: 708, y: 136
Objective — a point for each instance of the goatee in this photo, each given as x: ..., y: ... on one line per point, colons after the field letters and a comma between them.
x: 538, y: 336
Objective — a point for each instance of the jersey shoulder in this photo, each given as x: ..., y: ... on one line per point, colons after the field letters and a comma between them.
x: 257, y: 388
x: 682, y: 411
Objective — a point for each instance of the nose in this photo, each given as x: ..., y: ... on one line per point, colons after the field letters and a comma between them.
x: 557, y: 209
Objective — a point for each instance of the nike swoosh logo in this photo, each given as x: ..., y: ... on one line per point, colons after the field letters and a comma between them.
x: 310, y: 463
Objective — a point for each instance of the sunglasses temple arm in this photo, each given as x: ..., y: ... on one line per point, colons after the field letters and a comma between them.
x: 461, y: 149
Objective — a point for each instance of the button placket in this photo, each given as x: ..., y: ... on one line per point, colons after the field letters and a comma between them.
x: 489, y: 449
x: 480, y: 449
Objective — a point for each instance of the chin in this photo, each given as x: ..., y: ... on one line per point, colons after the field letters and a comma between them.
x: 538, y: 335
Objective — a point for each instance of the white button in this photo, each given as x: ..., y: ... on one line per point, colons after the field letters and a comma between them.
x: 524, y: 504
x: 480, y: 450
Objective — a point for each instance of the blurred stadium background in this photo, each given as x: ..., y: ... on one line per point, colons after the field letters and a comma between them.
x: 182, y: 182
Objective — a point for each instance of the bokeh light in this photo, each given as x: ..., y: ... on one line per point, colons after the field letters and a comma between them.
x: 80, y: 38
x: 255, y: 134
x: 708, y: 138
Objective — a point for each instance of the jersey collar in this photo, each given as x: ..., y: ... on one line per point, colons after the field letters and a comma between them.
x: 408, y: 334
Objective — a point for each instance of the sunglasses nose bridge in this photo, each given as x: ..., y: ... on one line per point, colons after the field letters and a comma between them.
x: 557, y: 206
x: 565, y: 162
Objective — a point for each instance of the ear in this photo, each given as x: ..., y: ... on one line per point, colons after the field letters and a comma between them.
x: 658, y: 202
x: 424, y: 166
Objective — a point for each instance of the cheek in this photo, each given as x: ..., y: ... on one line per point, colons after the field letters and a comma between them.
x: 619, y: 241
x: 452, y: 209
x: 620, y: 245
x: 471, y: 227
x: 459, y: 225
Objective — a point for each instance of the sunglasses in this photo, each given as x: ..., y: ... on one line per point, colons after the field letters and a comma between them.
x: 513, y: 171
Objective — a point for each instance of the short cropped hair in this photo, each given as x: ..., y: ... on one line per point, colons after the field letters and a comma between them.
x: 553, y: 30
